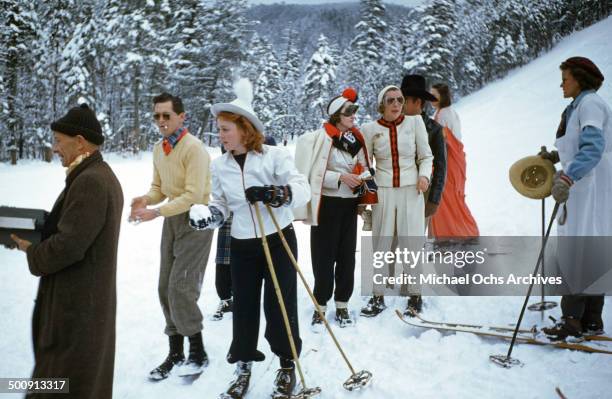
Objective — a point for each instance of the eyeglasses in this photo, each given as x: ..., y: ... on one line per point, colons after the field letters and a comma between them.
x: 350, y: 110
x: 391, y: 100
x: 158, y: 116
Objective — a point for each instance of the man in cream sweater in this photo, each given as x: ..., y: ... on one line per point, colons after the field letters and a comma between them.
x: 181, y: 174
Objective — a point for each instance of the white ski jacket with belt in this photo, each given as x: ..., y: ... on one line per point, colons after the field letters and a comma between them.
x: 274, y: 166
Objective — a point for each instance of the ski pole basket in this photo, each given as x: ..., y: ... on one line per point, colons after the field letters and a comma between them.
x: 357, y: 380
x: 505, y: 361
x: 307, y: 393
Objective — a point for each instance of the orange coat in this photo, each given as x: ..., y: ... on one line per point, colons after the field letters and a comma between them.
x: 453, y: 217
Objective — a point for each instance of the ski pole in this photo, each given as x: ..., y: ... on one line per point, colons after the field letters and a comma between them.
x: 507, y: 362
x: 357, y: 379
x: 543, y: 305
x: 543, y: 255
x: 305, y: 393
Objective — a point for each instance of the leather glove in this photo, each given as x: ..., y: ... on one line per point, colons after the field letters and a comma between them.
x: 365, y: 187
x: 371, y: 185
x: 430, y: 208
x: 561, y: 187
x: 203, y: 217
x: 552, y: 156
x: 275, y: 196
x: 368, y: 185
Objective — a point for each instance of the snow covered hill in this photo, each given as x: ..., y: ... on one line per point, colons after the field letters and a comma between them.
x: 503, y: 122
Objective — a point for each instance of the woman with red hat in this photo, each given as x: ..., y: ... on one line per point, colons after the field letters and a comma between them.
x: 335, y: 161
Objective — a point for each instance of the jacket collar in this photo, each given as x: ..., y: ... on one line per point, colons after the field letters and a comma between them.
x: 228, y: 156
x: 94, y: 157
x: 396, y: 122
x: 582, y: 94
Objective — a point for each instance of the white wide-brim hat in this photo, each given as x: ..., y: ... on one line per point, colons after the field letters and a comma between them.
x: 240, y: 108
x: 241, y: 105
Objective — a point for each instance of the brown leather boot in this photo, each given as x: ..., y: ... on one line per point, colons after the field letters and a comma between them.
x: 568, y: 328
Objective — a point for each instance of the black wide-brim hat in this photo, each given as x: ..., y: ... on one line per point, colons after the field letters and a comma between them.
x: 415, y: 86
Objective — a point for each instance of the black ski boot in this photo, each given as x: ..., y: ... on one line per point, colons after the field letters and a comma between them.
x: 175, y: 358
x: 197, y: 360
x: 316, y: 319
x: 225, y: 306
x: 569, y: 329
x: 240, y: 385
x: 375, y: 306
x: 592, y: 325
x: 344, y: 318
x: 284, y: 383
x: 316, y: 324
x: 414, y: 306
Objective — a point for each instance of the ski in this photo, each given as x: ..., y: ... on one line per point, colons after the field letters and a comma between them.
x: 527, y: 338
x: 475, y: 326
x: 533, y: 330
x: 189, y: 379
x: 189, y: 375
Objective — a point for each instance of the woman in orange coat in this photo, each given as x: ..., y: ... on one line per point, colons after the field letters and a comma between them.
x: 453, y: 218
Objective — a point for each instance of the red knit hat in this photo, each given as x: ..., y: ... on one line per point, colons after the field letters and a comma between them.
x: 349, y: 94
x: 585, y: 64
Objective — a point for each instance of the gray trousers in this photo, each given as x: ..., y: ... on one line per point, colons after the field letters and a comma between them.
x: 184, y: 254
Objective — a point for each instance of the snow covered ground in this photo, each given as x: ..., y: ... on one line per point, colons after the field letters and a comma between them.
x: 503, y: 122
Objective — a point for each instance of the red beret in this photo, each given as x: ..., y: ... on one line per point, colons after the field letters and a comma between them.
x: 586, y: 64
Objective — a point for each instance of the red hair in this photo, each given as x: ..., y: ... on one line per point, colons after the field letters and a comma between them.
x: 251, y: 137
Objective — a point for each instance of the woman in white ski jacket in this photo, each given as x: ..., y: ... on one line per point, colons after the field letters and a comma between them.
x: 400, y: 146
x: 247, y: 174
x: 334, y: 159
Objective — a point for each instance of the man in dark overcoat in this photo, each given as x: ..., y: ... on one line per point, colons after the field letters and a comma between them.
x: 73, y: 325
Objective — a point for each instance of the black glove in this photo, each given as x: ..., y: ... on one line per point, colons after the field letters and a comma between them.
x: 561, y: 187
x: 275, y: 196
x: 205, y: 217
x: 552, y: 156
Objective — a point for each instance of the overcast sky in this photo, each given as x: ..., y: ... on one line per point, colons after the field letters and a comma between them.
x: 402, y: 2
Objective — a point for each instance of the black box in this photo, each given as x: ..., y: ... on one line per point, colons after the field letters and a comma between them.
x: 26, y: 223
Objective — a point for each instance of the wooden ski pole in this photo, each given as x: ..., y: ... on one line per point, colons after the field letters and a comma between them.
x: 363, y: 375
x: 279, y: 295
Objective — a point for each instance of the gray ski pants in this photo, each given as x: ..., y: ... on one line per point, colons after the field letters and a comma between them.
x: 184, y: 254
